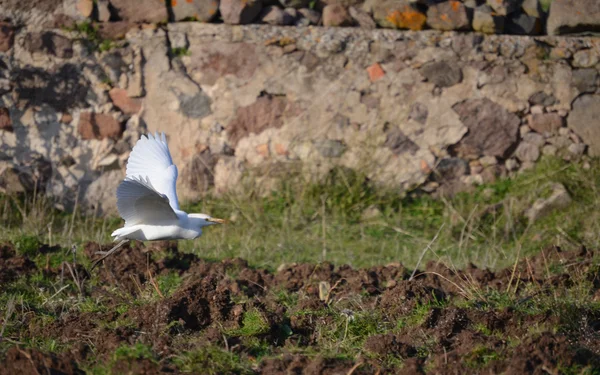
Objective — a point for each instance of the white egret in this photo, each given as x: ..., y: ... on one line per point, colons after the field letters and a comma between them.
x: 147, y: 198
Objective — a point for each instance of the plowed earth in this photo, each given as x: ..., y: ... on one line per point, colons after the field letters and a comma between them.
x: 316, y: 318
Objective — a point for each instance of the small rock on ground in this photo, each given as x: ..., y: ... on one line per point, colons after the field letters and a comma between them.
x: 559, y: 199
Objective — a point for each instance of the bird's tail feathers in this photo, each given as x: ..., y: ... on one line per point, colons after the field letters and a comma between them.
x: 121, y: 233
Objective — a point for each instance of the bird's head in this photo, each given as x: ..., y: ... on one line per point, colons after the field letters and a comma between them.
x: 204, y: 220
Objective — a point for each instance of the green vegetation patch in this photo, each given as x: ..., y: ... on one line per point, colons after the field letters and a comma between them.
x: 253, y: 323
x: 212, y: 360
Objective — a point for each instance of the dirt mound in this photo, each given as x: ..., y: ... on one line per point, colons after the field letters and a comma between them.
x: 194, y: 307
x: 25, y: 362
x: 548, y: 352
x: 311, y: 366
x: 12, y: 265
x: 140, y: 367
x: 405, y: 295
x: 133, y: 265
x: 387, y: 344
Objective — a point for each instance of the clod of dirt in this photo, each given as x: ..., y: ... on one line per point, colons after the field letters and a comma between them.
x: 302, y: 321
x: 241, y: 279
x: 132, y: 266
x: 140, y: 367
x: 299, y: 364
x: 83, y: 328
x: 402, y: 298
x: 194, y: 307
x: 127, y: 268
x: 470, y: 350
x: 297, y: 276
x: 494, y: 320
x: 389, y: 344
x: 412, y: 366
x: 199, y: 304
x: 13, y: 265
x: 357, y: 281
x: 446, y: 323
x: 547, y: 354
x: 30, y: 361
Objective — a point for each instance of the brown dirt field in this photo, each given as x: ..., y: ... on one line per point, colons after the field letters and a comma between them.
x: 444, y: 321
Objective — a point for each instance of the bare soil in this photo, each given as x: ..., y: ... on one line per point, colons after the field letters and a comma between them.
x: 460, y: 329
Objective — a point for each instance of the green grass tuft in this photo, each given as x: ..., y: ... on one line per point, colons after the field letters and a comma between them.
x: 137, y: 351
x: 253, y: 324
x: 480, y: 357
x: 27, y: 245
x: 212, y: 360
x: 169, y: 283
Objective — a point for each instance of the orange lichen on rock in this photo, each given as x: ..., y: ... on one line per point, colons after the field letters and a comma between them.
x: 455, y: 5
x: 407, y: 18
x: 425, y: 168
x: 280, y: 149
x: 375, y: 72
x: 281, y: 42
x: 263, y: 150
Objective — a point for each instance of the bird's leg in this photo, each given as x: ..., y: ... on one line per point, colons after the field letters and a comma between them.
x: 107, y: 253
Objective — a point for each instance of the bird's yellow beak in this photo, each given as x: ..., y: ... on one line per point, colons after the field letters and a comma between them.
x: 215, y: 220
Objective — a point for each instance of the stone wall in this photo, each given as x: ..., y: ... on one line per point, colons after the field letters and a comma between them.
x: 439, y: 111
x: 519, y: 17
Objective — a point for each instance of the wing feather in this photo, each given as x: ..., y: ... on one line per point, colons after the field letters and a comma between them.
x: 139, y: 203
x: 151, y: 158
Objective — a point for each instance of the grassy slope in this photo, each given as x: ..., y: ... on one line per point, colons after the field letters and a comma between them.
x: 303, y: 223
x: 323, y: 222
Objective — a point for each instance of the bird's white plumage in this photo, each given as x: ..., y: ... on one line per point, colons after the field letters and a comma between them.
x: 138, y: 202
x: 151, y: 159
x: 147, y: 198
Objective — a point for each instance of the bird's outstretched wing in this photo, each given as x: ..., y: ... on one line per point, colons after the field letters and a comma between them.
x: 150, y: 158
x: 139, y: 203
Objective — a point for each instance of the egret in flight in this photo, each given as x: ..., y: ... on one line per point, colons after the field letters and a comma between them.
x: 147, y: 199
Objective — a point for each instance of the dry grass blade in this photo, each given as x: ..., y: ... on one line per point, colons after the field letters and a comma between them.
x: 55, y: 294
x: 10, y: 307
x: 425, y: 251
x: 154, y: 284
x: 26, y: 355
x: 514, y: 270
x: 463, y: 292
x: 355, y: 367
x: 74, y: 216
x: 328, y: 296
x: 323, y: 229
x: 137, y: 284
x: 75, y: 277
x: 397, y: 230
